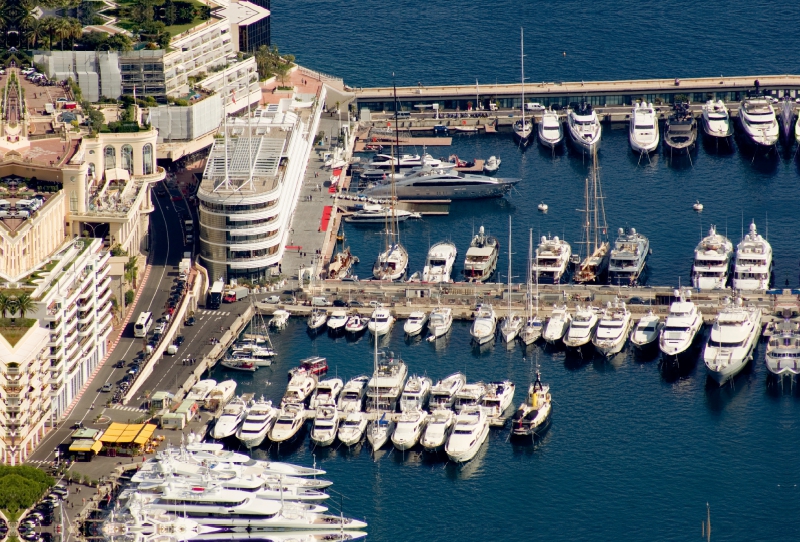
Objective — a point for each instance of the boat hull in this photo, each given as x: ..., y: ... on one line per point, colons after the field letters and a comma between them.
x: 462, y: 456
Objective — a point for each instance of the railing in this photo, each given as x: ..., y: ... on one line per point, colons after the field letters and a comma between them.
x: 318, y: 75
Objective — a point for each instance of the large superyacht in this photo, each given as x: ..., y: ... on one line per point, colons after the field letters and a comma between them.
x: 551, y: 261
x: 733, y: 338
x: 712, y: 260
x: 628, y: 258
x: 753, y: 267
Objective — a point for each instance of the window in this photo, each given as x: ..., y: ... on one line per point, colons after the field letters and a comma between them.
x: 147, y: 159
x: 110, y: 157
x: 127, y: 158
x: 73, y: 201
x: 91, y: 170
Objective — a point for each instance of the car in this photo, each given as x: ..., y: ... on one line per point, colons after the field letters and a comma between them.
x: 160, y: 328
x: 120, y: 364
x: 171, y: 304
x: 133, y: 370
x: 374, y: 304
x: 288, y: 299
x: 178, y: 340
x: 107, y: 387
x: 339, y: 303
x: 170, y: 311
x: 273, y: 299
x: 30, y: 536
x: 182, y: 276
x: 76, y: 425
x: 356, y: 303
x: 189, y: 321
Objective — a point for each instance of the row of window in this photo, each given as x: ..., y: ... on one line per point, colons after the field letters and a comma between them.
x: 223, y: 208
x: 127, y: 162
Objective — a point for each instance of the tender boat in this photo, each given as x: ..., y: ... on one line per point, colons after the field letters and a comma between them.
x: 647, y: 330
x: 532, y: 418
x: 469, y: 433
x: 256, y: 425
x: 356, y: 324
x: 233, y: 414
x: 581, y: 329
x: 440, y: 322
x: 680, y: 130
x: 491, y: 165
x: 716, y: 120
x: 291, y: 419
x: 352, y: 427
x: 712, y: 261
x: 783, y: 350
x: 299, y: 389
x: 381, y: 322
x: 378, y: 214
x: 440, y: 425
x: 495, y: 403
x: 758, y: 121
x: 753, y: 267
x: 200, y: 390
x: 405, y: 161
x: 469, y: 396
x: 387, y: 383
x: 408, y: 429
x: 439, y: 265
x: 415, y: 323
x: 643, y: 130
x: 684, y: 322
x: 584, y: 128
x: 326, y: 425
x: 326, y: 393
x: 279, y: 319
x: 443, y: 393
x: 551, y: 260
x: 337, y: 322
x: 732, y: 340
x: 484, y: 326
x: 551, y: 131
x: 220, y: 395
x: 613, y: 329
x: 392, y: 263
x: 628, y: 258
x: 351, y: 399
x: 557, y: 325
x: 481, y: 259
x: 379, y: 431
x: 416, y: 393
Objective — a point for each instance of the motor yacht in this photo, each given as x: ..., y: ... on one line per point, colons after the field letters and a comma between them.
x: 584, y: 128
x: 628, y: 258
x: 356, y: 324
x: 299, y: 389
x: 753, y: 266
x: 682, y: 326
x: 278, y: 536
x: 469, y: 396
x: 716, y: 120
x: 469, y: 433
x: 712, y: 261
x: 326, y: 425
x: 758, y: 121
x: 379, y: 431
x: 443, y: 393
x: 136, y: 525
x: 291, y: 418
x: 783, y: 349
x: 352, y: 427
x: 408, y: 429
x: 437, y: 184
x: 496, y: 400
x: 485, y: 323
x: 351, y: 398
x: 200, y: 390
x: 481, y: 259
x: 214, y: 455
x: 643, y: 129
x: 647, y: 330
x: 680, y: 130
x: 491, y: 165
x: 336, y: 322
x: 732, y: 340
x: 392, y: 263
x: 326, y: 393
x: 613, y: 329
x: 439, y: 266
x: 381, y: 322
x: 416, y: 393
x: 532, y: 418
x: 280, y: 318
x: 233, y: 414
x: 551, y: 131
x: 220, y: 395
x: 415, y: 323
x: 387, y: 383
x: 378, y: 214
x: 260, y: 418
x: 581, y: 329
x: 440, y: 322
x: 797, y: 130
x: 551, y: 262
x: 440, y: 425
x: 557, y: 325
x: 259, y: 356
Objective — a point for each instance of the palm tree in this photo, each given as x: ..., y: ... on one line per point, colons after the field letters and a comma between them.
x: 35, y: 33
x: 24, y: 303
x: 131, y: 270
x: 5, y: 304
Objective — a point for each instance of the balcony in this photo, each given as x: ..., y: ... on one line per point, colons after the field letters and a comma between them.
x: 104, y: 309
x: 85, y: 331
x: 87, y: 317
x: 103, y: 285
x: 104, y: 323
x: 103, y: 273
x: 87, y: 344
x: 56, y: 354
x: 54, y: 340
x: 71, y: 351
x: 101, y: 301
x: 86, y: 304
x: 71, y: 310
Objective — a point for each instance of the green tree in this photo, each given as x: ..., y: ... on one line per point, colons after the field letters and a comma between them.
x: 131, y: 271
x: 25, y: 304
x: 5, y: 304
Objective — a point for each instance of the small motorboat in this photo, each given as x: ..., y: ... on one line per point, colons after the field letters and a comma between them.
x: 279, y: 319
x: 356, y: 324
x: 542, y: 207
x: 326, y: 425
x: 492, y: 164
x: 646, y: 332
x: 239, y: 364
x: 352, y: 427
x: 697, y: 206
x: 415, y: 323
x: 291, y: 419
x: 408, y: 429
x: 440, y: 425
x: 381, y: 322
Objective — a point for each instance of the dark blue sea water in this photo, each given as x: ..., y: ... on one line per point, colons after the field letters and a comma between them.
x: 630, y: 455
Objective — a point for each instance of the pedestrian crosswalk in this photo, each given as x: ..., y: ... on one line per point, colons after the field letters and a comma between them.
x: 127, y: 408
x: 38, y: 462
x: 215, y: 313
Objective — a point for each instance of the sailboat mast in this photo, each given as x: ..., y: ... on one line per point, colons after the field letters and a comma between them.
x: 530, y: 270
x: 522, y: 65
x: 395, y: 232
x: 594, y: 198
x: 509, y: 267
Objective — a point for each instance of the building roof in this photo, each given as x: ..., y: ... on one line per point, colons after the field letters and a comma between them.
x: 123, y: 433
x: 234, y: 162
x: 86, y: 445
x: 243, y: 13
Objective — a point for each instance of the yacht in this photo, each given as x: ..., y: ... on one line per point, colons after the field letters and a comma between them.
x: 326, y: 393
x: 438, y: 184
x: 220, y: 395
x: 135, y: 525
x: 256, y: 355
x: 783, y: 350
x: 734, y: 337
x: 404, y: 161
x: 758, y: 121
x: 628, y: 258
x: 753, y: 267
x: 440, y: 425
x: 286, y: 536
x: 233, y: 414
x: 594, y: 265
x: 379, y: 431
x: 643, y: 130
x: 351, y: 399
x: 511, y: 324
x: 317, y: 319
x: 797, y: 130
x: 416, y: 393
x: 280, y: 318
x: 534, y: 324
x: 647, y: 330
x: 469, y: 396
x: 337, y: 321
x: 680, y: 130
x: 496, y: 400
x: 291, y: 419
x: 415, y: 323
x: 551, y: 260
x: 391, y: 263
x: 440, y: 322
x: 214, y: 455
x: 326, y: 425
x: 352, y: 428
x: 716, y: 120
x: 257, y: 424
x: 584, y: 127
x: 408, y: 429
x: 469, y: 433
x: 485, y: 323
x: 683, y: 324
x: 712, y: 261
x: 200, y: 390
x: 374, y: 213
x: 613, y: 329
x: 443, y: 393
x: 381, y: 322
x: 523, y: 128
x: 551, y: 131
x: 356, y: 324
x: 532, y: 418
x: 582, y: 327
x: 491, y: 165
x: 439, y: 267
x: 342, y: 264
x: 387, y: 383
x: 239, y: 364
x: 481, y: 259
x: 299, y: 389
x: 557, y: 325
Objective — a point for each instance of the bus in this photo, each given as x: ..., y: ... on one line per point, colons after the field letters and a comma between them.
x: 142, y: 325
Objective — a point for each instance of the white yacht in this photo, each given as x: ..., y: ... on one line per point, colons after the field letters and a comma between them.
x: 581, y: 329
x: 643, y: 130
x: 326, y: 393
x: 584, y: 127
x: 233, y: 414
x: 380, y: 431
x: 485, y: 323
x: 443, y: 393
x: 496, y: 400
x: 326, y: 425
x: 257, y: 424
x: 481, y: 259
x: 628, y: 258
x: 783, y: 350
x: 299, y: 389
x: 712, y: 261
x: 551, y: 261
x: 392, y: 263
x: 352, y: 428
x: 534, y: 324
x: 381, y: 322
x: 135, y: 525
x: 557, y: 325
x: 532, y: 418
x: 220, y: 394
x: 387, y: 383
x: 408, y: 429
x: 415, y: 323
x: 758, y: 121
x: 440, y: 322
x: 436, y: 183
x: 469, y: 396
x: 336, y: 322
x: 551, y: 131
x: 440, y: 425
x: 717, y: 120
x: 404, y: 161
x: 647, y: 330
x: 416, y: 393
x: 291, y: 419
x: 753, y: 267
x: 733, y: 338
x: 469, y: 433
x: 511, y: 324
x: 375, y: 213
x: 439, y: 266
x: 683, y: 324
x: 356, y: 324
x: 200, y: 390
x: 280, y: 318
x: 613, y: 329
x: 351, y: 399
x: 214, y: 455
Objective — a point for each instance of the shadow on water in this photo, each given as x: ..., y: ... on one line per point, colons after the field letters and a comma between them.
x: 673, y: 370
x: 720, y: 146
x: 759, y: 160
x: 289, y: 448
x: 777, y: 387
x: 718, y: 398
x: 576, y: 359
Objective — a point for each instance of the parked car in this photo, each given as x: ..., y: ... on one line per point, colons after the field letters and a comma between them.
x: 107, y: 387
x: 189, y: 321
x: 273, y: 299
x: 339, y: 303
x: 178, y: 340
x: 120, y: 364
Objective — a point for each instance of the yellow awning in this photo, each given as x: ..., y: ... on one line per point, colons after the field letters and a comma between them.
x: 145, y: 434
x: 97, y: 446
x: 85, y: 445
x: 113, y: 432
x: 121, y: 433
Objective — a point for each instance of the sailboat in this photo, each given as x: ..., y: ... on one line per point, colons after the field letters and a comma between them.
x: 512, y: 323
x: 534, y: 325
x: 342, y: 264
x: 380, y: 430
x: 257, y: 347
x: 318, y: 316
x: 523, y: 128
x: 594, y: 266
